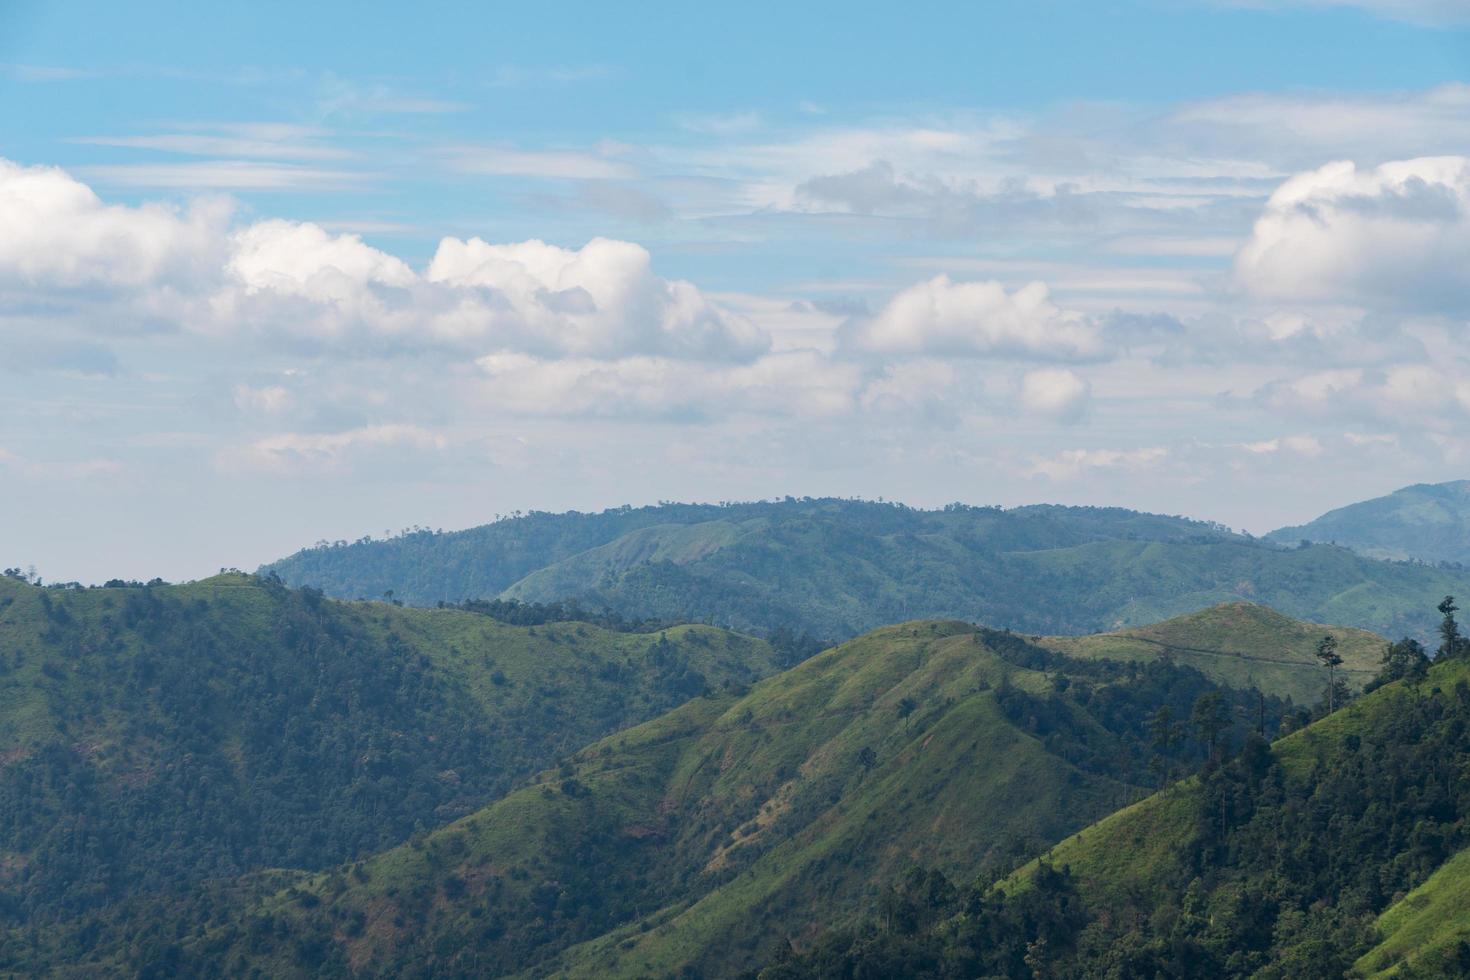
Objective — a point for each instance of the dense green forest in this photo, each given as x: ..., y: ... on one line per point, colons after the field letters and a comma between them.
x: 835, y: 568
x: 1338, y: 850
x: 692, y: 842
x: 1427, y: 521
x: 155, y: 738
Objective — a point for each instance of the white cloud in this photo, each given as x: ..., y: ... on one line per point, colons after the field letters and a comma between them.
x: 1072, y: 463
x: 1394, y: 237
x: 1055, y: 393
x: 296, y: 281
x: 602, y: 300
x: 1372, y: 438
x: 1303, y: 445
x: 303, y: 259
x: 55, y: 231
x: 941, y: 316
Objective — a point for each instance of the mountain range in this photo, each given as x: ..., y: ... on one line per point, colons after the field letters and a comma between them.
x: 836, y: 568
x: 1114, y: 760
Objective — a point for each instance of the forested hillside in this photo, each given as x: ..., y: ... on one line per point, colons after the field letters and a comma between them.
x: 1427, y: 521
x: 1338, y: 850
x: 835, y: 568
x: 155, y: 738
x: 693, y: 842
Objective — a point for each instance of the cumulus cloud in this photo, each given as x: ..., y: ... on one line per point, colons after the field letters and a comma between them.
x: 1055, y: 393
x: 297, y: 281
x: 55, y: 231
x: 941, y: 316
x: 600, y: 300
x: 1393, y: 237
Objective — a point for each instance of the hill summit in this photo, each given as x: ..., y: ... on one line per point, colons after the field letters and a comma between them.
x: 1425, y: 522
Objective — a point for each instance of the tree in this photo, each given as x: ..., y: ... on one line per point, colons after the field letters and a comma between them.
x: 906, y: 707
x: 1210, y: 718
x: 1165, y: 734
x: 1406, y: 658
x: 1331, y: 659
x: 1449, y: 631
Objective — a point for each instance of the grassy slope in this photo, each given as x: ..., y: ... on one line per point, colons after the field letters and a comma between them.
x: 719, y: 826
x: 837, y: 568
x: 1126, y: 853
x: 1241, y: 644
x: 1430, y: 920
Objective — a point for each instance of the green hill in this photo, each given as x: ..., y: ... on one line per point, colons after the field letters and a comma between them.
x: 1338, y: 850
x: 154, y: 739
x: 836, y: 568
x: 1240, y: 644
x: 1425, y: 933
x: 1427, y: 522
x: 692, y: 842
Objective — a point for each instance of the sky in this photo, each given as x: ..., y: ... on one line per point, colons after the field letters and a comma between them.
x: 279, y: 273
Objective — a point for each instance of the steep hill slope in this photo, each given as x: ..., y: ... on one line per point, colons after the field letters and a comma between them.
x: 693, y: 841
x: 1427, y: 932
x: 1336, y: 849
x: 835, y: 568
x: 153, y: 738
x: 1427, y: 521
x: 1241, y: 644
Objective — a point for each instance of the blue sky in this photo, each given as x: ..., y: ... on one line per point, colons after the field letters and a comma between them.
x: 271, y: 273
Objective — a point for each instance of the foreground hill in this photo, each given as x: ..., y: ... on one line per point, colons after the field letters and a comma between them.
x: 835, y: 568
x: 694, y: 841
x: 154, y: 738
x: 1338, y: 850
x: 1426, y: 522
x: 1241, y: 644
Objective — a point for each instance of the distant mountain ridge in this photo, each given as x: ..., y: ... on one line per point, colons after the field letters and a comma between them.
x: 1424, y: 522
x: 837, y: 568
